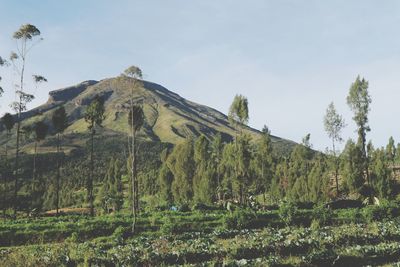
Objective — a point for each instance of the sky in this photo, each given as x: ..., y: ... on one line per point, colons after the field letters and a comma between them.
x: 289, y: 58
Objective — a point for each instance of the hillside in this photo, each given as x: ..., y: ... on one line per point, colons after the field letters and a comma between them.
x: 169, y: 117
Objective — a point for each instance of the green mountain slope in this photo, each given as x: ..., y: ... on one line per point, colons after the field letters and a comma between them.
x: 169, y: 117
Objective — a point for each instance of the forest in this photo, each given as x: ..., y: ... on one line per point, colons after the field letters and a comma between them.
x: 121, y: 199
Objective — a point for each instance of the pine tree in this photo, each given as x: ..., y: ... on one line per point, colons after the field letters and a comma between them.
x: 217, y: 148
x: 264, y: 163
x: 380, y: 173
x: 181, y: 164
x: 202, y: 180
x: 353, y: 167
x: 165, y: 178
x: 359, y: 101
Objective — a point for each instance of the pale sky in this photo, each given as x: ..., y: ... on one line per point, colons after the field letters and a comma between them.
x: 290, y: 58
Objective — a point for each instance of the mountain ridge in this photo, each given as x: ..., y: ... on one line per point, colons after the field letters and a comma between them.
x: 168, y: 116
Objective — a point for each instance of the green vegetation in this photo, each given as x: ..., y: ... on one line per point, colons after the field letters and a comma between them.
x: 167, y: 181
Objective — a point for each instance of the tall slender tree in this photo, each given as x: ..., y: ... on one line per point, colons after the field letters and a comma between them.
x: 359, y: 102
x: 264, y: 162
x: 40, y: 129
x: 217, y: 148
x: 135, y: 120
x: 26, y: 37
x: 334, y: 124
x: 94, y: 116
x: 8, y: 121
x: 239, y: 116
x: 60, y: 123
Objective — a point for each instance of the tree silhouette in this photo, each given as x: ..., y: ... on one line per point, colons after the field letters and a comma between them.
x: 23, y: 36
x: 135, y: 120
x: 40, y: 129
x: 60, y: 123
x: 94, y: 116
x: 8, y: 121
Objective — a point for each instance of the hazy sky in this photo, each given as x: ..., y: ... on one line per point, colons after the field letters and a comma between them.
x: 290, y: 58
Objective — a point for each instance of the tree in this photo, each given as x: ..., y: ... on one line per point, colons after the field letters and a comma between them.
x: 110, y: 194
x: 359, y: 101
x: 239, y: 115
x: 3, y: 62
x: 299, y: 168
x: 26, y: 34
x: 217, y: 148
x: 391, y: 151
x: 181, y: 164
x: 380, y: 174
x: 334, y: 124
x: 94, y: 116
x: 40, y: 128
x: 135, y: 120
x: 202, y: 180
x: 239, y: 110
x: 8, y: 121
x: 242, y: 164
x: 60, y: 123
x: 165, y: 178
x: 353, y: 169
x: 264, y: 162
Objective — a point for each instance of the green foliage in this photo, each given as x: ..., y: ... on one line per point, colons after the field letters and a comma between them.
x: 239, y: 110
x: 323, y: 215
x: 239, y: 219
x: 380, y: 174
x: 181, y: 164
x: 353, y: 169
x: 94, y: 114
x: 287, y: 212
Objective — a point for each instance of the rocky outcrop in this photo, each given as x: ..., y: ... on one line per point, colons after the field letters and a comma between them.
x: 67, y: 94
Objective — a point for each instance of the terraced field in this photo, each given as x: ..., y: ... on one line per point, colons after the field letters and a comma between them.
x: 348, y: 237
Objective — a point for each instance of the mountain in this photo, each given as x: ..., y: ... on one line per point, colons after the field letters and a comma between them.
x: 169, y: 117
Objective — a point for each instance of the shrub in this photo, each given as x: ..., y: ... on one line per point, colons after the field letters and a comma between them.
x: 169, y: 226
x: 119, y: 234
x: 385, y: 211
x: 184, y: 208
x: 203, y: 207
x: 323, y: 215
x: 74, y: 238
x: 287, y: 212
x: 239, y: 219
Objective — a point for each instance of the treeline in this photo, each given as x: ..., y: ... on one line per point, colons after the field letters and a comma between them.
x: 201, y: 170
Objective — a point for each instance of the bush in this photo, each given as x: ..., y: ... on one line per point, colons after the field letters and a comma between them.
x: 239, y: 219
x: 322, y: 215
x: 385, y: 211
x: 119, y: 234
x: 184, y: 208
x: 169, y: 226
x: 287, y: 212
x: 203, y: 207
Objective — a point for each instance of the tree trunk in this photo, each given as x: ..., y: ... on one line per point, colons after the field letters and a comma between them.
x: 90, y: 186
x: 336, y: 168
x: 5, y: 176
x: 16, y: 169
x: 18, y: 137
x: 34, y: 174
x: 58, y: 176
x: 134, y: 182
